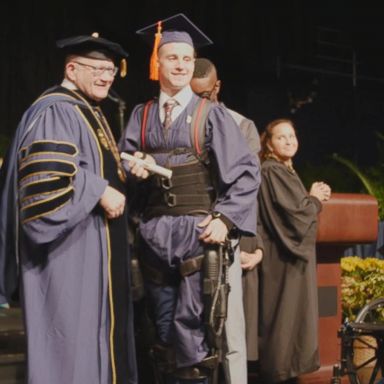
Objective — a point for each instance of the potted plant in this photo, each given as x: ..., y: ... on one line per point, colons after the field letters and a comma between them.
x: 362, y: 280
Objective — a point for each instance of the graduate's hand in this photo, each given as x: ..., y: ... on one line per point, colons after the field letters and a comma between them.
x: 138, y: 170
x: 215, y: 230
x: 250, y: 260
x: 320, y: 190
x: 113, y: 202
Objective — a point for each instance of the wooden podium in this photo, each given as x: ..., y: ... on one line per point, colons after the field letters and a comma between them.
x: 346, y: 219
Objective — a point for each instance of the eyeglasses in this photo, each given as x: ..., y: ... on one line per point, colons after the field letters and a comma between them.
x: 98, y: 71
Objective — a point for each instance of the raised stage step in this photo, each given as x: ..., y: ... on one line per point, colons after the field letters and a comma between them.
x: 12, y: 346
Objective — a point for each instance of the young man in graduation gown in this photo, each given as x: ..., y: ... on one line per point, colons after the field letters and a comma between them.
x: 206, y: 84
x: 201, y: 202
x: 63, y: 204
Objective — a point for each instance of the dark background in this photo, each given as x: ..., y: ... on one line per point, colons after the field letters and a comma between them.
x: 318, y: 62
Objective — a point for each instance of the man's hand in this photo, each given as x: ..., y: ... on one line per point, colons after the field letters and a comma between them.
x: 138, y: 170
x: 215, y: 232
x: 113, y: 202
x: 250, y: 260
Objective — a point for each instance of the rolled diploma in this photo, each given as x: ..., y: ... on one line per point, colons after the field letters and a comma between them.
x: 165, y: 172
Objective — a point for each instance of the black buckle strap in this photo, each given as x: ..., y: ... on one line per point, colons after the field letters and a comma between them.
x: 159, y: 276
x: 173, y: 200
x: 187, y: 267
x: 170, y: 199
x: 183, y: 180
x: 201, y: 370
x: 166, y: 183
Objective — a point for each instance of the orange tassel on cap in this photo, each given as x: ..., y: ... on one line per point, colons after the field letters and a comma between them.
x: 153, y: 69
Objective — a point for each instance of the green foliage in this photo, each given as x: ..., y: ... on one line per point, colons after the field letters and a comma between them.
x: 337, y: 170
x: 362, y: 280
x: 337, y: 176
x: 372, y: 178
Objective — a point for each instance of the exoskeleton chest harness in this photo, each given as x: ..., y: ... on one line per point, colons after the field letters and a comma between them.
x: 191, y: 191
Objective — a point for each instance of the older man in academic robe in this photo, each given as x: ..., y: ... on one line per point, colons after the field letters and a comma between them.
x: 63, y: 221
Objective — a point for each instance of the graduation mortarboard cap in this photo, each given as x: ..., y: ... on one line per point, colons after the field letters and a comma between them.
x: 174, y: 29
x: 94, y: 47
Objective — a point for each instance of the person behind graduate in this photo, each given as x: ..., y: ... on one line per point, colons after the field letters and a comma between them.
x: 288, y: 306
x: 206, y: 84
x: 64, y: 227
x: 185, y: 214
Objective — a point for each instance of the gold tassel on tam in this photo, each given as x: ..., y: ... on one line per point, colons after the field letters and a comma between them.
x: 153, y: 70
x: 123, y: 68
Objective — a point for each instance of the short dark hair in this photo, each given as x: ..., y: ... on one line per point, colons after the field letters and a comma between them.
x: 203, y: 67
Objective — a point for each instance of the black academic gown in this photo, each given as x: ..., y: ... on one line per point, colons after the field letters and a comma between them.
x: 288, y: 309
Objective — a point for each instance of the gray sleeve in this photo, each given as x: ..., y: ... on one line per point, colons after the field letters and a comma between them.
x: 249, y: 130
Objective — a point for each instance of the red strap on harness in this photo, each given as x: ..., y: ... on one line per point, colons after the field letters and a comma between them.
x: 197, y: 126
x: 144, y: 123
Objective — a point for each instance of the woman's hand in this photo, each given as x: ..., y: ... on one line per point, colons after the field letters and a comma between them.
x: 320, y: 190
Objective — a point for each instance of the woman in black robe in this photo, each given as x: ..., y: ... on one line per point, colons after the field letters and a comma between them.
x: 288, y: 305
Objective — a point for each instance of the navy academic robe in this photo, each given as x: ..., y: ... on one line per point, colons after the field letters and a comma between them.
x: 168, y: 240
x: 60, y: 167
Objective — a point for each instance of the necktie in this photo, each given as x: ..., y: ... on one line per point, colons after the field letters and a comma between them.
x: 168, y: 107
